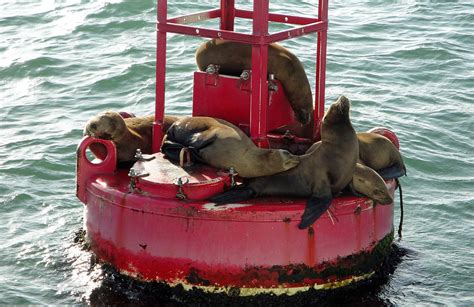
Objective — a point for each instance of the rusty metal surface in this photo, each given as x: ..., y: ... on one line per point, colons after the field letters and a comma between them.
x: 246, y: 245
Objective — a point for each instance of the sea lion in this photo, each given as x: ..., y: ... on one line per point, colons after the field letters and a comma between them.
x: 379, y: 153
x: 234, y: 57
x: 222, y: 145
x: 365, y: 182
x: 368, y: 182
x: 128, y: 134
x: 320, y: 174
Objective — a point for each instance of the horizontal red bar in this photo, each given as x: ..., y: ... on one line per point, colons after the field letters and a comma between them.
x: 200, y: 16
x: 296, y: 32
x: 210, y: 33
x: 281, y: 18
x: 242, y: 37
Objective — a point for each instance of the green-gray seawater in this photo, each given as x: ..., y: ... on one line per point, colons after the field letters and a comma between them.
x: 407, y: 65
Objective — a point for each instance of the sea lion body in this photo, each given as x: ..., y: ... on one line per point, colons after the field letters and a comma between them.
x: 379, y: 153
x: 222, y: 145
x: 365, y: 182
x: 234, y: 57
x: 323, y: 172
x: 128, y: 134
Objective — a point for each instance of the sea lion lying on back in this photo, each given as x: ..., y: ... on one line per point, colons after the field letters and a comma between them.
x: 323, y: 172
x: 220, y: 144
x: 128, y: 134
x: 234, y: 57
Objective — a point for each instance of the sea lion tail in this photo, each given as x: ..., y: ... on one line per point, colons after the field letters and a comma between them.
x: 237, y: 194
x: 392, y: 172
x: 315, y: 207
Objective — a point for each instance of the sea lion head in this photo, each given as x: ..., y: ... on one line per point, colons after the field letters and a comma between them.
x: 108, y: 126
x: 380, y: 196
x: 368, y: 182
x: 338, y: 111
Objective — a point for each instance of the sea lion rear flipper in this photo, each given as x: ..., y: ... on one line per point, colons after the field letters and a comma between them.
x: 172, y: 151
x: 237, y: 194
x: 392, y: 172
x: 315, y: 207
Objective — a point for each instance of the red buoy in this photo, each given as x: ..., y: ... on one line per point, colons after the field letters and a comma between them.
x: 153, y: 222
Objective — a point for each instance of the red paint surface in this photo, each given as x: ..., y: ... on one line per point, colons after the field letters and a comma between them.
x: 222, y: 242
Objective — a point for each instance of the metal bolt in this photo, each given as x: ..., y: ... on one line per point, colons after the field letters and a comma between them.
x: 245, y: 75
x: 138, y: 154
x: 212, y: 69
x: 272, y: 86
x: 134, y: 175
x: 180, y: 183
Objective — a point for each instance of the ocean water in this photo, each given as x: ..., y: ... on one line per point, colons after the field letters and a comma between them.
x: 407, y: 65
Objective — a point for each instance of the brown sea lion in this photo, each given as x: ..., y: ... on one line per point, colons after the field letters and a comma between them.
x: 222, y: 145
x: 234, y: 57
x: 365, y: 182
x: 379, y: 153
x: 128, y: 134
x: 320, y: 174
x: 368, y: 182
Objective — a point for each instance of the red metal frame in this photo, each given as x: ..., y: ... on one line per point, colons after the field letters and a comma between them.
x: 260, y: 39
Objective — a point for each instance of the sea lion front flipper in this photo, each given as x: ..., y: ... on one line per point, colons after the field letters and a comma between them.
x: 315, y: 207
x: 392, y: 172
x: 237, y: 194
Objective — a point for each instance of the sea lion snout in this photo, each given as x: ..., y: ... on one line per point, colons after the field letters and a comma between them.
x: 343, y: 104
x: 105, y: 126
x: 382, y: 197
x: 338, y: 111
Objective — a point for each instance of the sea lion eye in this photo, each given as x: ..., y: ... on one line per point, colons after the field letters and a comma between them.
x: 93, y: 126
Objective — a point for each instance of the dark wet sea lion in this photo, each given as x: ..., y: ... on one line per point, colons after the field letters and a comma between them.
x: 320, y: 174
x: 222, y: 145
x: 234, y: 57
x: 365, y: 182
x: 128, y: 134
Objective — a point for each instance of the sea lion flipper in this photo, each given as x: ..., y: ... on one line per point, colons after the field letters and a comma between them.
x: 237, y: 194
x: 392, y: 172
x: 172, y: 151
x: 315, y: 207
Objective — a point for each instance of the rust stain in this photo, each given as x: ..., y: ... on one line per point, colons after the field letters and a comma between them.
x: 359, y: 227
x: 286, y: 223
x: 311, y: 247
x: 119, y: 231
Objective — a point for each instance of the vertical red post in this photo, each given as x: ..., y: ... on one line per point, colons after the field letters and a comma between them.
x: 321, y: 65
x: 160, y: 76
x: 227, y: 15
x: 259, y: 98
